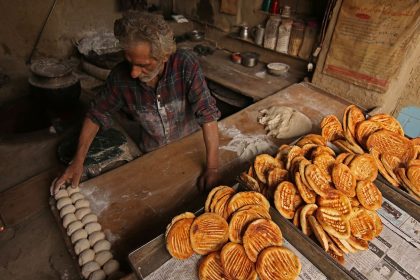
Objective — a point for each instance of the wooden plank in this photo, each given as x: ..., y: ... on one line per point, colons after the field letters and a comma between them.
x: 253, y: 82
x: 27, y: 199
x: 136, y: 201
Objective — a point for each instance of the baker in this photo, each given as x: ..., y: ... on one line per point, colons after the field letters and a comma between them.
x: 161, y: 88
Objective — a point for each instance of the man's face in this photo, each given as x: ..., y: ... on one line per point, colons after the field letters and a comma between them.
x: 143, y: 66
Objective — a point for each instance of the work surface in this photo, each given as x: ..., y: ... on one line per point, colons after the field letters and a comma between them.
x: 253, y: 82
x: 136, y: 201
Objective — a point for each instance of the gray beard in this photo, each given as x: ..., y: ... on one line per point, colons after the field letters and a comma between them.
x: 150, y: 76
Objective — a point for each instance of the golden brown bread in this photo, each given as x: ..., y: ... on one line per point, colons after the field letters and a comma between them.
x: 364, y: 129
x: 336, y: 200
x: 333, y: 222
x: 344, y: 180
x: 319, y: 232
x: 264, y: 163
x: 247, y: 198
x: 276, y: 176
x: 260, y: 234
x: 221, y: 206
x: 221, y: 195
x: 363, y: 167
x: 211, y: 268
x: 325, y: 163
x: 307, y: 194
x: 240, y: 220
x: 307, y: 210
x: 317, y: 180
x: 208, y: 233
x: 177, y: 218
x: 362, y: 225
x: 295, y: 151
x: 249, y: 182
x: 392, y: 143
x: 331, y: 128
x: 278, y: 263
x: 376, y: 156
x: 312, y: 139
x: 236, y: 263
x: 178, y: 239
x: 388, y: 122
x: 369, y: 195
x: 284, y: 199
x: 352, y: 117
x: 296, y: 217
x: 359, y: 244
x: 210, y: 197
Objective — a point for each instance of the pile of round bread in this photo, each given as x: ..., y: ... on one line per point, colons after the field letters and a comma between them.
x: 236, y: 236
x: 329, y: 197
x: 90, y: 244
x: 397, y: 157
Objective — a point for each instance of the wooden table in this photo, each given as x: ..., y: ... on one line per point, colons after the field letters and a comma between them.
x: 253, y: 82
x: 136, y: 201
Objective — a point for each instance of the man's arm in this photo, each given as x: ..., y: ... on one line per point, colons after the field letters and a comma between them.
x: 74, y: 171
x: 211, y: 139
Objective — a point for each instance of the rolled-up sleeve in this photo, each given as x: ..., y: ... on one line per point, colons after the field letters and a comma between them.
x: 203, y: 104
x: 105, y: 104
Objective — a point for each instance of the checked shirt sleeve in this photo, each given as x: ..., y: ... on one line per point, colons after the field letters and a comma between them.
x: 203, y: 104
x: 106, y: 103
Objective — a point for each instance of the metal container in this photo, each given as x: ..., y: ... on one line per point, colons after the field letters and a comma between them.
x: 249, y: 59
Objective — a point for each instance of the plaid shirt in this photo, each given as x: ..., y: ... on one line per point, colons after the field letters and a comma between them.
x: 180, y: 103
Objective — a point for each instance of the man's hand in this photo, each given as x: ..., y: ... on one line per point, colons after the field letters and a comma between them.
x: 208, y: 179
x: 71, y: 175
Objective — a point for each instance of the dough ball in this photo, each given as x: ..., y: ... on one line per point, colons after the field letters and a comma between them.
x: 81, y: 245
x: 76, y: 196
x: 89, y: 267
x: 67, y: 210
x: 102, y: 245
x: 80, y: 213
x: 102, y: 257
x: 82, y: 203
x: 63, y: 202
x: 92, y: 227
x: 86, y: 256
x: 111, y: 266
x: 60, y: 194
x: 98, y: 275
x: 89, y: 218
x: 95, y: 237
x: 78, y: 234
x: 76, y: 225
x: 68, y: 219
x: 72, y: 190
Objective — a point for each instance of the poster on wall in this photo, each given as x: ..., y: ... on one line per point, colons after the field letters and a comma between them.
x: 370, y: 40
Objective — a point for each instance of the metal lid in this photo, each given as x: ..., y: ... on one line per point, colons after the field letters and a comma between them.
x: 50, y: 68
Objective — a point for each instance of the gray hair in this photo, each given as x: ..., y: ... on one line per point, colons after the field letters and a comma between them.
x: 135, y: 27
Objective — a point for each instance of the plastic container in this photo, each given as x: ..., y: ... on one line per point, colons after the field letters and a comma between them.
x: 284, y: 32
x: 271, y: 29
x: 296, y: 37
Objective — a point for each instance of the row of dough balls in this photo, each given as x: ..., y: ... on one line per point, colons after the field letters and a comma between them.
x: 85, y: 233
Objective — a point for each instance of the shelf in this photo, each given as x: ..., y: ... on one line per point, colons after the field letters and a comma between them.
x: 250, y: 41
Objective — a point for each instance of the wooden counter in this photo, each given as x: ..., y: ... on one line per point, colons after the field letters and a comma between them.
x: 135, y: 202
x: 253, y: 82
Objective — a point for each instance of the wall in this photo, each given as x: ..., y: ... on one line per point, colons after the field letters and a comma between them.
x: 21, y: 21
x: 403, y: 89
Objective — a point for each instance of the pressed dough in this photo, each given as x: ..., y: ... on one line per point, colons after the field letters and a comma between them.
x: 76, y: 225
x: 63, y: 202
x: 92, y: 227
x: 68, y: 219
x: 78, y: 234
x: 76, y: 196
x: 81, y: 245
x: 102, y: 257
x: 82, y: 203
x: 72, y: 190
x: 89, y: 267
x: 86, y: 256
x: 80, y: 213
x: 98, y: 275
x: 60, y: 194
x: 284, y: 122
x: 111, y: 266
x: 67, y: 210
x: 102, y: 245
x: 89, y: 218
x: 95, y: 237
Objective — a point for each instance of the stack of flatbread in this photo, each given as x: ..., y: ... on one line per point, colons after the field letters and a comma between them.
x: 236, y: 236
x: 383, y: 137
x: 330, y: 198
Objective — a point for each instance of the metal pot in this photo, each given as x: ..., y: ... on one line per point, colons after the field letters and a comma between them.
x: 249, y: 59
